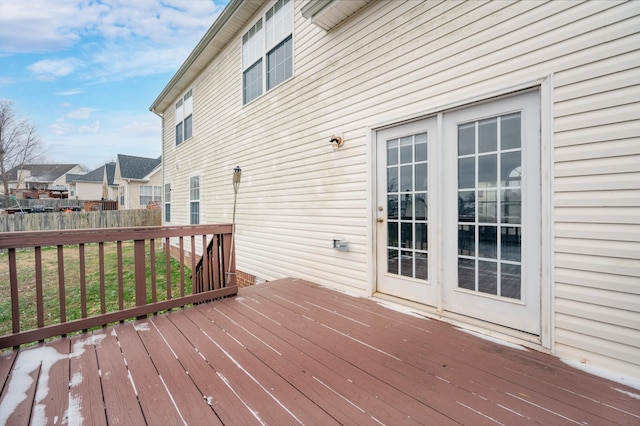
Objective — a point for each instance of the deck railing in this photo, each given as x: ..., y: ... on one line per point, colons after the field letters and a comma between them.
x: 86, y: 291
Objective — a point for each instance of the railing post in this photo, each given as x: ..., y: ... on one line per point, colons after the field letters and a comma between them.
x: 140, y: 270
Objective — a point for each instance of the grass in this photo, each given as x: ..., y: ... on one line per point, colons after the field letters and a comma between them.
x: 27, y: 283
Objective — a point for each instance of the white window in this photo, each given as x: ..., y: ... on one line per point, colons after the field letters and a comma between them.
x: 121, y: 194
x: 194, y: 200
x: 150, y: 193
x: 267, y: 51
x: 167, y: 202
x: 184, y: 117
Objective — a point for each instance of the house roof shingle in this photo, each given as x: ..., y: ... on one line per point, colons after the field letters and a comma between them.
x: 136, y: 167
x: 41, y: 172
x: 96, y: 175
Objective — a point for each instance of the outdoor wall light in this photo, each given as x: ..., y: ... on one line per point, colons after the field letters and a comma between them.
x: 336, y: 141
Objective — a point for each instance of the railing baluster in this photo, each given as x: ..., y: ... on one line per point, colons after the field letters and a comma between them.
x: 218, y: 269
x: 61, y: 283
x: 205, y: 283
x: 13, y: 284
x: 152, y: 261
x: 181, y: 266
x: 120, y: 274
x: 140, y: 271
x: 194, y: 286
x: 83, y: 281
x: 103, y: 296
x: 39, y: 292
x: 167, y: 255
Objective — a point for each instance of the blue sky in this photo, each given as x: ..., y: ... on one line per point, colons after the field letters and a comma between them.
x: 86, y: 71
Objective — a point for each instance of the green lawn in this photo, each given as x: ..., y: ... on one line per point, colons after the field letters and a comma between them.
x: 27, y: 283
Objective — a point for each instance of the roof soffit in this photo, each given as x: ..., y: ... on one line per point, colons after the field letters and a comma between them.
x: 329, y: 13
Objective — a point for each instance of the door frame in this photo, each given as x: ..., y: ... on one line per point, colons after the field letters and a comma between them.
x: 545, y: 85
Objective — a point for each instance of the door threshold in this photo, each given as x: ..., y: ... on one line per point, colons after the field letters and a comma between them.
x: 463, y: 322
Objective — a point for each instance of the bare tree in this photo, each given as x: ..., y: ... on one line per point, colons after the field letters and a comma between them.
x: 19, y: 142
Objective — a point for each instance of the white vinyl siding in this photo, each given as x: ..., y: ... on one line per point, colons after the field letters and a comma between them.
x: 397, y: 60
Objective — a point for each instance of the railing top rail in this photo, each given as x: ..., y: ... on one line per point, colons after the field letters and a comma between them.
x: 86, y: 236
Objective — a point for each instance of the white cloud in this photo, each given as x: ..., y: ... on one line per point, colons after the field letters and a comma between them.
x: 122, y: 38
x: 50, y: 69
x: 70, y: 92
x: 60, y: 128
x: 81, y: 113
x: 92, y: 128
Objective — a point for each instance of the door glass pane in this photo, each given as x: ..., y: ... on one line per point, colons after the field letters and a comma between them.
x: 421, y: 147
x: 421, y: 236
x: 421, y: 177
x: 490, y: 206
x: 421, y: 206
x: 392, y: 179
x: 406, y: 178
x: 488, y: 135
x: 510, y: 281
x: 392, y: 207
x: 406, y: 263
x: 406, y: 150
x: 488, y: 242
x: 467, y: 139
x: 487, y: 171
x: 510, y: 131
x: 422, y: 266
x: 392, y: 152
x: 511, y: 206
x: 466, y: 274
x: 467, y: 173
x: 407, y: 198
x: 392, y: 261
x: 510, y: 242
x: 466, y: 206
x: 487, y: 277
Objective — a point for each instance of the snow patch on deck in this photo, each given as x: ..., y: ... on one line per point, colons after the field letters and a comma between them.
x: 142, y: 326
x: 27, y: 363
x: 400, y: 308
x: 605, y: 374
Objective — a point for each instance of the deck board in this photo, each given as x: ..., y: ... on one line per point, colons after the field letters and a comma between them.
x: 292, y: 352
x: 120, y: 401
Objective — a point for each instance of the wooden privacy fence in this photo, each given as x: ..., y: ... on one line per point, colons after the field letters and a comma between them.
x: 80, y: 220
x: 211, y: 282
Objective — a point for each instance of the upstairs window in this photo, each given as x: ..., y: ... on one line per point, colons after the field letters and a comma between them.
x: 267, y: 51
x: 184, y: 118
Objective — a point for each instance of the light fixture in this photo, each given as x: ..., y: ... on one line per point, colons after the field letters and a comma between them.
x: 336, y: 141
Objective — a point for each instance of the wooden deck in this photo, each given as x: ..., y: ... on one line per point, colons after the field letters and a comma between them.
x: 291, y: 352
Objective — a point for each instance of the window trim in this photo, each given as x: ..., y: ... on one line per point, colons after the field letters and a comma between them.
x: 184, y: 116
x: 268, y: 40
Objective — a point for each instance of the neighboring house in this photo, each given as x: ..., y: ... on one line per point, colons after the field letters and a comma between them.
x: 489, y: 173
x: 97, y: 184
x: 139, y: 181
x: 42, y: 177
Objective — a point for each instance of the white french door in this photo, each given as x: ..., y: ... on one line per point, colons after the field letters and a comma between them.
x: 478, y: 243
x: 404, y: 265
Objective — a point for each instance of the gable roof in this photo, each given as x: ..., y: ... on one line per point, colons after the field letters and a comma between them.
x: 136, y: 167
x: 96, y: 175
x: 41, y: 172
